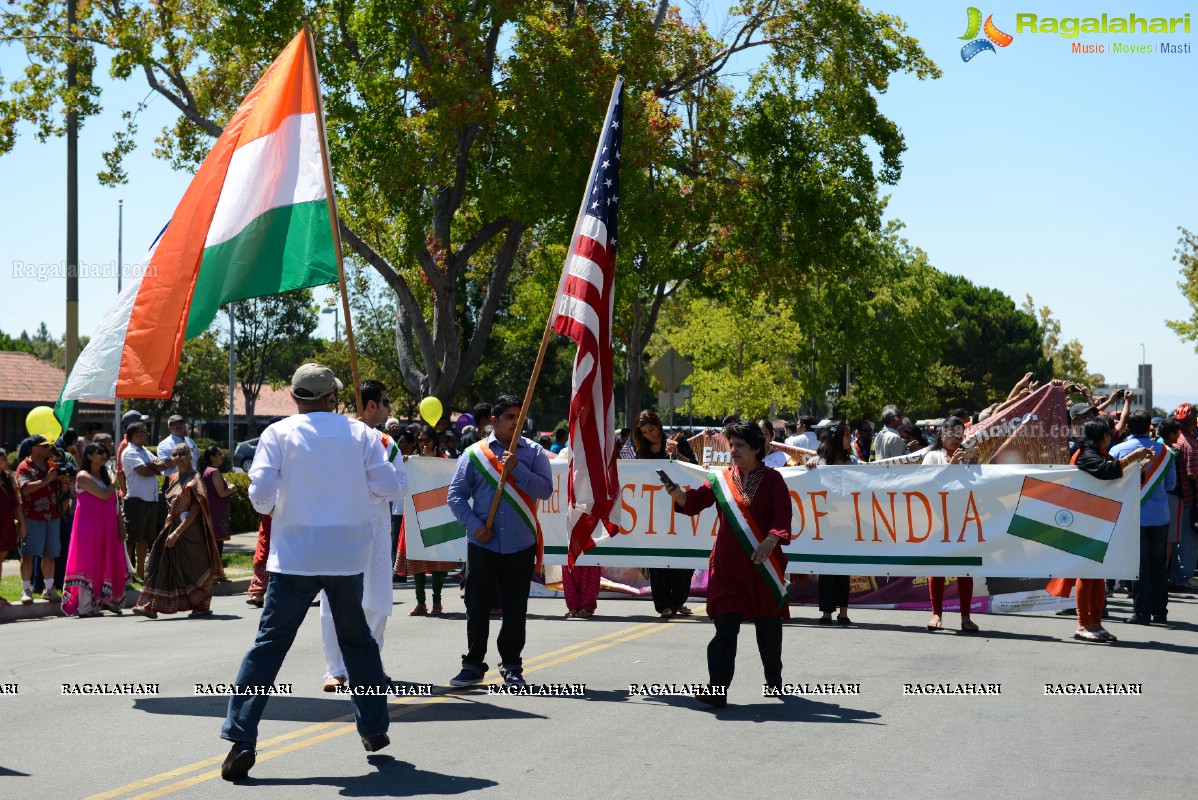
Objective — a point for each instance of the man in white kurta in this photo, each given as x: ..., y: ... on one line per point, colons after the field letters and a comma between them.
x: 317, y: 474
x: 377, y: 569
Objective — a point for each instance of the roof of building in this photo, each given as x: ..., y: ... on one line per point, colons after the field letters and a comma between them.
x: 25, y: 378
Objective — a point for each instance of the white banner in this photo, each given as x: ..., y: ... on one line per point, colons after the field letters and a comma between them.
x: 983, y: 521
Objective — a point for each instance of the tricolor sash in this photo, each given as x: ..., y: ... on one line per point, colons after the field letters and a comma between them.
x: 1152, y: 476
x: 492, y: 470
x: 734, y: 511
x: 390, y: 448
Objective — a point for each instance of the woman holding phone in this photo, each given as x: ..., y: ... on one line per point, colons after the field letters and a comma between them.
x: 747, y: 577
x: 670, y: 587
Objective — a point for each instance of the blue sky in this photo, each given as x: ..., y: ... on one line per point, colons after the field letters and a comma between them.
x: 1030, y: 169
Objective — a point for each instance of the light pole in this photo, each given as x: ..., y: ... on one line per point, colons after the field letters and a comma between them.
x: 336, y: 329
x: 120, y: 235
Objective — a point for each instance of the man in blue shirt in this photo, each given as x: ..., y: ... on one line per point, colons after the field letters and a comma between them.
x: 1151, y: 595
x: 505, y: 552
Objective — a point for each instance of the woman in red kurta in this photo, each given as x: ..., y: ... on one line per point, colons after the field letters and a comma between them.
x: 746, y: 581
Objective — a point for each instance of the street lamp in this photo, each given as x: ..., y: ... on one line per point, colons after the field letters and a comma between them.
x: 336, y: 328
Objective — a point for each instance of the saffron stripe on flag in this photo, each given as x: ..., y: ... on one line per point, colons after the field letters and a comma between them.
x: 1073, y: 499
x: 425, y: 501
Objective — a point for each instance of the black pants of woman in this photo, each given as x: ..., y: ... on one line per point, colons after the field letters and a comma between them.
x: 721, y: 652
x: 670, y: 587
x: 833, y: 592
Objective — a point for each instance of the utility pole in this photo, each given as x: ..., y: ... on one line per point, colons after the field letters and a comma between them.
x: 72, y: 197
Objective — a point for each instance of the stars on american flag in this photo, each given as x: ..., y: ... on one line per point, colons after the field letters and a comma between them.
x: 605, y: 180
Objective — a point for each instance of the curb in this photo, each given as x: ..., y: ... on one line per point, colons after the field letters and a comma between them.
x: 40, y: 609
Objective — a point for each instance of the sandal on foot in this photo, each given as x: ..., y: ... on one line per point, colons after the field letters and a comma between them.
x: 969, y: 626
x: 669, y: 612
x: 843, y: 619
x: 935, y: 623
x: 683, y: 611
x: 1087, y: 636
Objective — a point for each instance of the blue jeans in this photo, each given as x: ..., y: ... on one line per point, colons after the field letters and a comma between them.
x: 287, y: 600
x: 1152, y: 593
x: 1185, y: 552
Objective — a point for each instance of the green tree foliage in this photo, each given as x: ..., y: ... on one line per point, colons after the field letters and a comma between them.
x: 739, y: 352
x: 1186, y: 255
x: 1064, y: 359
x: 456, y: 128
x: 272, y: 337
x: 990, y: 341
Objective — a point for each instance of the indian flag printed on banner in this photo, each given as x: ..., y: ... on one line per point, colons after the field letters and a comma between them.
x: 1066, y: 519
x: 256, y: 220
x: 437, y: 522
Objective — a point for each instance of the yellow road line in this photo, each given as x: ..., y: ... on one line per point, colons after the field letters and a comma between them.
x: 320, y: 732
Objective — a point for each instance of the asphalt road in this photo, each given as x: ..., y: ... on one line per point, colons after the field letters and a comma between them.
x: 607, y: 744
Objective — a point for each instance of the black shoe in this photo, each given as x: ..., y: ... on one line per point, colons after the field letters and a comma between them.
x: 1161, y: 620
x: 825, y: 620
x: 713, y: 700
x: 1137, y: 621
x: 376, y: 742
x: 1179, y: 588
x: 469, y: 676
x: 239, y: 761
x: 1067, y: 612
x: 513, y: 677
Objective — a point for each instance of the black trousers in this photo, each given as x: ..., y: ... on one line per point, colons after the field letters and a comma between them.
x: 670, y: 587
x: 833, y: 592
x: 513, y: 573
x: 721, y: 652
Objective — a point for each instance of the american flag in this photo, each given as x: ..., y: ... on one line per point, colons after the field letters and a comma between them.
x: 583, y: 311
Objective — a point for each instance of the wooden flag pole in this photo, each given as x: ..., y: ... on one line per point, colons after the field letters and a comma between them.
x: 334, y: 220
x: 532, y: 383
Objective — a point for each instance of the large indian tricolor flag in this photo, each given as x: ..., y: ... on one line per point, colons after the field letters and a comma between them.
x: 1066, y: 519
x: 255, y: 221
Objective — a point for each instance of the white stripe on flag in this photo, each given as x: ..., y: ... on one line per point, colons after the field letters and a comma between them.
x: 583, y: 267
x: 580, y: 311
x: 95, y: 372
x: 1065, y: 519
x: 280, y: 169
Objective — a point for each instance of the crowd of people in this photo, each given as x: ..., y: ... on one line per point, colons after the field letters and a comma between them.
x: 331, y: 491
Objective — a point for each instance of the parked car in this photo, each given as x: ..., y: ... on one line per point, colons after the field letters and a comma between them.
x: 243, y: 454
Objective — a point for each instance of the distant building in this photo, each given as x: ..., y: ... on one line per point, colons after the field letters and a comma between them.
x: 27, y: 382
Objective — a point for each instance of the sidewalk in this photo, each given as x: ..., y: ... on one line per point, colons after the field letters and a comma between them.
x: 40, y: 609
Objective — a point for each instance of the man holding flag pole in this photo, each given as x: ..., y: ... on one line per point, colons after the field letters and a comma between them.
x: 583, y: 311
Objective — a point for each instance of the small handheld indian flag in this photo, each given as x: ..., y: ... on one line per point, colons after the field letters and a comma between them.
x: 437, y: 522
x: 1066, y: 519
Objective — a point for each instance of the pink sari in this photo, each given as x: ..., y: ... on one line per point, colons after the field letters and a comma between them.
x: 95, y: 572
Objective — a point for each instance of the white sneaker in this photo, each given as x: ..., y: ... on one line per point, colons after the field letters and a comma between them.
x: 52, y: 595
x: 26, y: 597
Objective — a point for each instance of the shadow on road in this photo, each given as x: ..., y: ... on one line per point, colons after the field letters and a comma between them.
x: 775, y: 709
x: 391, y: 778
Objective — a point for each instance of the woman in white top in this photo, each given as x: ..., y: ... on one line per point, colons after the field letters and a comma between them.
x: 835, y: 450
x: 947, y: 449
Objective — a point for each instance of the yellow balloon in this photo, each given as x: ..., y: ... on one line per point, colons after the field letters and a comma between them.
x: 430, y: 410
x: 41, y: 420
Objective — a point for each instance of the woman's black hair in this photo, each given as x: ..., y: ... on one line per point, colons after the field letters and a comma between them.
x: 832, y: 449
x: 749, y: 433
x: 947, y: 425
x: 429, y: 432
x: 1096, y: 430
x: 88, y: 451
x: 210, y: 452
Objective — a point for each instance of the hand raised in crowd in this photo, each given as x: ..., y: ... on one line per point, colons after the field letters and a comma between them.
x: 678, y: 493
x: 963, y: 456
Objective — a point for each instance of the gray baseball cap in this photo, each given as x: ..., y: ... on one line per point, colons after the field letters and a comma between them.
x: 314, y: 380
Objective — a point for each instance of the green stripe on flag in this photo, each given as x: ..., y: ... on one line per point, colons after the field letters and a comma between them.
x: 1058, y: 538
x: 440, y: 534
x: 286, y: 248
